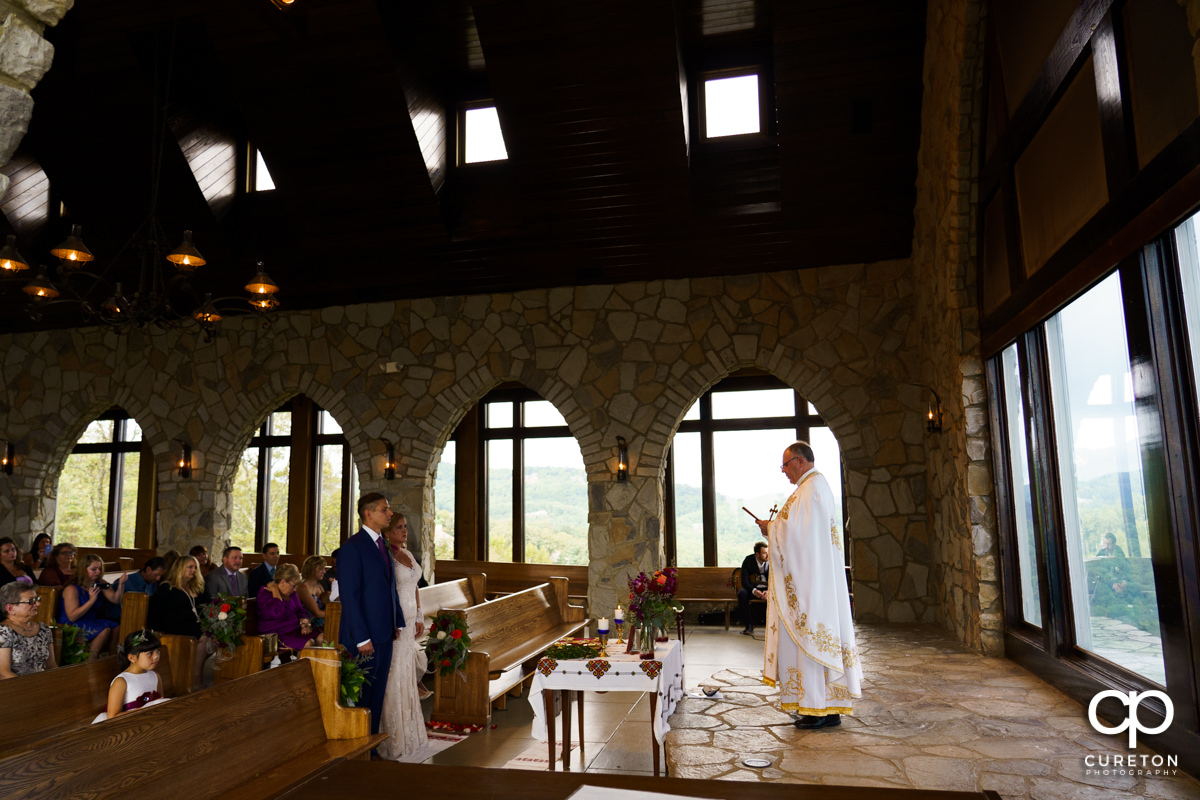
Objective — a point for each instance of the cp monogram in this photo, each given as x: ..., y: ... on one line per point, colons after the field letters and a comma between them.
x: 1132, y: 700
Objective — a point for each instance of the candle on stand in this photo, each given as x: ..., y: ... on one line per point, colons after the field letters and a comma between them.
x: 619, y: 621
x: 602, y: 626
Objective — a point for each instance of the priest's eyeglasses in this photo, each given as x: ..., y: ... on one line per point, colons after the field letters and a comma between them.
x: 783, y: 466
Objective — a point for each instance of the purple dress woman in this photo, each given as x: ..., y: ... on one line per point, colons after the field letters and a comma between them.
x: 282, y: 617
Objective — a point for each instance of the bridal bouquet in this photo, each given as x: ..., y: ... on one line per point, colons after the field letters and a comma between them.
x: 448, y: 644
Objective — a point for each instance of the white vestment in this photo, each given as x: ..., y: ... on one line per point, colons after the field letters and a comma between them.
x: 811, y: 654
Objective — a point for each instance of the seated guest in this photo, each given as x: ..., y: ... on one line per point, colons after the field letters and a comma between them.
x: 311, y: 588
x: 60, y: 566
x: 146, y: 579
x: 331, y: 570
x: 173, y: 609
x: 83, y: 604
x: 26, y: 645
x: 200, y: 553
x: 280, y: 612
x: 38, y: 554
x: 226, y: 579
x: 264, y: 573
x: 139, y: 685
x: 754, y: 584
x: 11, y: 568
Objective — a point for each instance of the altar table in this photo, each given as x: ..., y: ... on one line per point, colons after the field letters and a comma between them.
x: 661, y: 677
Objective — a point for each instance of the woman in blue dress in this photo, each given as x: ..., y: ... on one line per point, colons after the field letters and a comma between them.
x: 83, y: 603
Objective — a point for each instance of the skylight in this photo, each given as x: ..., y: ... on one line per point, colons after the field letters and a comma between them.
x: 262, y: 177
x: 731, y: 106
x: 483, y: 140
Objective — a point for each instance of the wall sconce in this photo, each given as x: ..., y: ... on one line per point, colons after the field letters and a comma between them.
x: 933, y: 423
x: 389, y: 461
x: 185, y: 459
x: 6, y: 459
x: 283, y: 5
x: 622, y: 460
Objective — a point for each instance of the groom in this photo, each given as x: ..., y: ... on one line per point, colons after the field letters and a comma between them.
x: 371, y: 615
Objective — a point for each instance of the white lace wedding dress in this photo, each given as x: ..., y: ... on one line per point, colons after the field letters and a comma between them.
x: 402, y: 720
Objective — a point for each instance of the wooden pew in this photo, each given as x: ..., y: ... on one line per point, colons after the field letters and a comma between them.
x: 462, y: 593
x: 265, y: 733
x: 508, y: 635
x: 45, y: 704
x: 68, y: 698
x: 505, y: 577
x: 707, y: 585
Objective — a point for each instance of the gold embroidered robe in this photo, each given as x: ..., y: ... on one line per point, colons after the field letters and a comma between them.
x: 810, y: 652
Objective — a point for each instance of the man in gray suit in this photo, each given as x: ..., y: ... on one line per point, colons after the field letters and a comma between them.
x: 226, y: 579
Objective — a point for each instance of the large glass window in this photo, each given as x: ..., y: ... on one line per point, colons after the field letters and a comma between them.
x: 1187, y: 245
x: 444, y: 497
x: 1022, y: 497
x: 541, y: 515
x: 98, y: 488
x: 1100, y: 473
x: 725, y: 457
x: 295, y: 484
x: 336, y: 485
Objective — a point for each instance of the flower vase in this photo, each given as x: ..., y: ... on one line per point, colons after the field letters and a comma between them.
x: 646, y: 636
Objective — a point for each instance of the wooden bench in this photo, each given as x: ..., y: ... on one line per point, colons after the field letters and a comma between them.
x: 707, y: 585
x: 68, y: 698
x: 505, y: 577
x: 265, y: 734
x: 508, y: 636
x: 462, y: 593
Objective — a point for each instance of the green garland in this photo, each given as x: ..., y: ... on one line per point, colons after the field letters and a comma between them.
x: 568, y: 649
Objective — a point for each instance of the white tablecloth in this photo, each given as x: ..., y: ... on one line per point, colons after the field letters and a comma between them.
x: 617, y: 673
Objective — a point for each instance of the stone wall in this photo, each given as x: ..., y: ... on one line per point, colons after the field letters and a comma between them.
x: 625, y: 360
x: 24, y: 58
x: 961, y: 507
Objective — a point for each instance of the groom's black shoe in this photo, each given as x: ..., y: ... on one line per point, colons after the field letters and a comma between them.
x: 807, y: 723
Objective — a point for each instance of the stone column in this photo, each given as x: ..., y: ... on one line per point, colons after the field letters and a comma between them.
x: 624, y: 536
x: 24, y: 58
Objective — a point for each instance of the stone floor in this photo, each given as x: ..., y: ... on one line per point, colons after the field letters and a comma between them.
x: 933, y: 716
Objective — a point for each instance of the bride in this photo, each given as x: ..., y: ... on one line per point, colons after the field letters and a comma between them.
x: 402, y: 720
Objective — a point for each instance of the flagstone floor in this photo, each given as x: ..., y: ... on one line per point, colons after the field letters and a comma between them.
x: 933, y: 716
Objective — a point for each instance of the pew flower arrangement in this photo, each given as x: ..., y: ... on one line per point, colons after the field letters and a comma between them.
x: 448, y: 644
x: 74, y: 646
x: 223, y: 621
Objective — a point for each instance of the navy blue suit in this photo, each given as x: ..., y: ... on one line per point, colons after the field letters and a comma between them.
x: 370, y: 610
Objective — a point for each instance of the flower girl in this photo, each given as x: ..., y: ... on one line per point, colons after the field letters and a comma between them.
x: 139, y: 685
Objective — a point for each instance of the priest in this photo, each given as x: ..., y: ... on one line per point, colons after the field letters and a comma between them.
x: 810, y: 654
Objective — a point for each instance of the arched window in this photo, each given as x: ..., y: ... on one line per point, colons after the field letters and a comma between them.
x: 295, y: 484
x: 106, y: 489
x: 512, y: 485
x: 726, y: 456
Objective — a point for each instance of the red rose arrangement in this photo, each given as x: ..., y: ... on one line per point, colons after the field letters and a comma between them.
x: 449, y: 642
x: 223, y: 622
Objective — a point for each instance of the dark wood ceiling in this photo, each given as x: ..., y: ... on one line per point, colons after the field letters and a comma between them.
x: 354, y: 106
